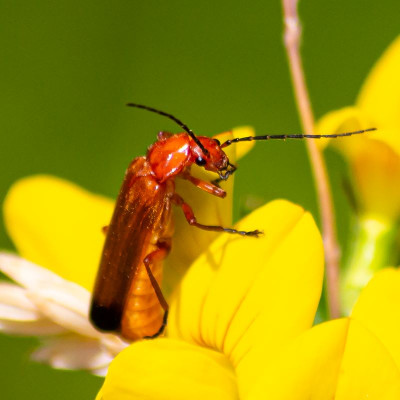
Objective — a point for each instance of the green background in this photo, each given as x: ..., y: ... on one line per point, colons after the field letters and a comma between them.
x: 68, y: 67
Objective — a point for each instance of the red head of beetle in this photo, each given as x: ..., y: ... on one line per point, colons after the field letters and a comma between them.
x: 215, y: 159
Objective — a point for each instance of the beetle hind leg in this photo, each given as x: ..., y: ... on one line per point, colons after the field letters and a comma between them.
x: 164, y: 248
x: 162, y: 327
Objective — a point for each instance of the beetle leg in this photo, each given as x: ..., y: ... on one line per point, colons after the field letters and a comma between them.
x: 206, y: 186
x: 162, y: 327
x: 104, y: 229
x: 158, y: 255
x: 191, y: 219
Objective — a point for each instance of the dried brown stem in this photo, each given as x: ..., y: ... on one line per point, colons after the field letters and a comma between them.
x: 332, y: 252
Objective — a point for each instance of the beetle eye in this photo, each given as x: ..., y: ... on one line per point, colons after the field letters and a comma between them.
x: 200, y: 161
x: 217, y: 141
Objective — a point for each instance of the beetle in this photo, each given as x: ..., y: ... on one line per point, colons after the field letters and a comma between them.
x: 127, y: 297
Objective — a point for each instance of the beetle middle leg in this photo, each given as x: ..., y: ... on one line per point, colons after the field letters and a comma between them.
x: 191, y: 219
x: 158, y: 255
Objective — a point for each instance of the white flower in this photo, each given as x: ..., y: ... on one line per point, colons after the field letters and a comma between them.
x: 46, y: 305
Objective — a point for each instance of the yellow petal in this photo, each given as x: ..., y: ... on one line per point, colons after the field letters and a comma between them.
x: 374, y: 157
x: 58, y: 225
x: 338, y: 360
x: 347, y: 119
x: 308, y: 368
x: 376, y: 168
x: 165, y: 369
x: 375, y: 165
x: 189, y: 242
x: 378, y: 309
x: 380, y: 95
x: 247, y: 297
x: 367, y: 370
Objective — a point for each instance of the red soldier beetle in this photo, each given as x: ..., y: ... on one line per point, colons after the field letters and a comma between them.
x: 127, y: 297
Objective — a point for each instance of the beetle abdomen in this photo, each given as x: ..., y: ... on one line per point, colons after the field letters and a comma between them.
x: 141, y: 216
x: 142, y: 315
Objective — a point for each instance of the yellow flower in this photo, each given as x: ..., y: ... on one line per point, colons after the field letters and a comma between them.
x: 374, y: 160
x: 240, y: 303
x: 243, y: 299
x: 374, y: 157
x: 239, y: 327
x: 56, y: 225
x: 351, y: 358
x: 239, y: 322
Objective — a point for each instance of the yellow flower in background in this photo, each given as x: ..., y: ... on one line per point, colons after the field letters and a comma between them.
x: 374, y: 160
x: 240, y: 303
x: 374, y: 157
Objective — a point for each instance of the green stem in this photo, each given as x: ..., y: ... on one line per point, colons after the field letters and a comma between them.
x: 372, y: 249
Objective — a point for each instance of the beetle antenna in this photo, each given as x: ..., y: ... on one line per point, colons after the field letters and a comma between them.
x: 179, y: 122
x: 268, y: 137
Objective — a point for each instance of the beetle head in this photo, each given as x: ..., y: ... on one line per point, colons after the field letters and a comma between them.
x: 214, y: 159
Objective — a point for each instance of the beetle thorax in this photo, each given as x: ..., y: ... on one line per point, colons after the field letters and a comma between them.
x: 168, y: 157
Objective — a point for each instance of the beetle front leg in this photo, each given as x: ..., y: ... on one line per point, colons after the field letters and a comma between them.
x: 204, y: 185
x: 191, y: 219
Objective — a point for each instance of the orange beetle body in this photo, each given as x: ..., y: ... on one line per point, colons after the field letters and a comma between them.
x: 124, y: 298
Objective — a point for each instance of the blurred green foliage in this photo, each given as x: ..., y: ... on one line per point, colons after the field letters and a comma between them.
x: 68, y: 68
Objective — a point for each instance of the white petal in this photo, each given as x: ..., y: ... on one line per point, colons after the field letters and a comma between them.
x: 113, y: 343
x: 63, y: 302
x: 62, y: 305
x: 36, y: 278
x: 25, y: 273
x: 74, y: 352
x: 102, y: 372
x: 12, y: 313
x: 67, y: 304
x: 16, y: 296
x: 41, y: 327
x: 15, y: 305
x: 62, y: 315
x: 74, y: 297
